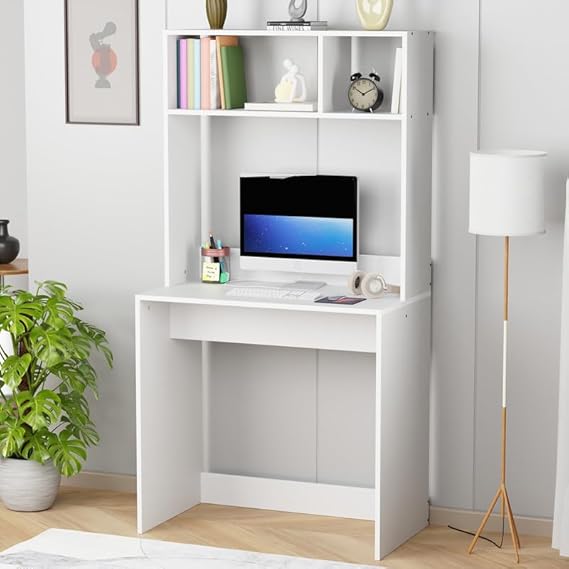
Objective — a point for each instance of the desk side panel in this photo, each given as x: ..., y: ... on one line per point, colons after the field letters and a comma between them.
x: 268, y: 327
x: 402, y: 435
x: 168, y: 419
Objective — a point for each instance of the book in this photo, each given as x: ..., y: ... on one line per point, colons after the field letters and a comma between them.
x: 190, y: 66
x: 294, y: 29
x: 197, y: 74
x: 397, y: 79
x: 214, y: 76
x: 205, y: 73
x: 182, y: 74
x: 178, y: 96
x: 233, y: 68
x: 306, y: 107
x: 304, y: 24
x: 223, y: 41
x: 346, y: 300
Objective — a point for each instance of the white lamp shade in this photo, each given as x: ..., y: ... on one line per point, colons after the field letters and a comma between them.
x: 507, y: 192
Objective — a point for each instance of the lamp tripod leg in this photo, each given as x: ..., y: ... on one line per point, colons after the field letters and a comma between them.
x: 513, y: 529
x: 485, y: 520
x: 513, y: 526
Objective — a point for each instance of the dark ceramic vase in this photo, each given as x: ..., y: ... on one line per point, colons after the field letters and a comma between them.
x: 9, y: 246
x: 216, y: 12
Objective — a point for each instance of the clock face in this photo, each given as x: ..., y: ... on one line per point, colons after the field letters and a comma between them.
x: 363, y: 94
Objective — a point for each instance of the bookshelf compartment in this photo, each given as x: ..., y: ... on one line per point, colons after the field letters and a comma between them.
x: 343, y: 56
x: 263, y: 58
x: 264, y: 68
x: 265, y: 147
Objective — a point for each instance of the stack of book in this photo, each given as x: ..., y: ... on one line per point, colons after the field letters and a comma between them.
x: 211, y: 73
x: 288, y: 26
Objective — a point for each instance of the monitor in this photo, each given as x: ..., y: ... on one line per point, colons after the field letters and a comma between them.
x: 306, y: 224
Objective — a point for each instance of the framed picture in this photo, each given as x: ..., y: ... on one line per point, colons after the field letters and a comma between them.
x: 102, y: 69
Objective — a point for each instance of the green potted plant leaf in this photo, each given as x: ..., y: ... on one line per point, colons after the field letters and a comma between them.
x: 45, y: 375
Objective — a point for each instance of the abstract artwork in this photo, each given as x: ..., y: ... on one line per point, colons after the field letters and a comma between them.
x: 102, y: 62
x: 62, y: 549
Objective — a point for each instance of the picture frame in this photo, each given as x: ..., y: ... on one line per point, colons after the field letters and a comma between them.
x: 102, y: 74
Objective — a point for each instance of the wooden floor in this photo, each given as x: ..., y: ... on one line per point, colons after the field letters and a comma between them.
x: 272, y: 532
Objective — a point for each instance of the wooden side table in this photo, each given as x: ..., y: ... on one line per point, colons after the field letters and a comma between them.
x: 17, y: 267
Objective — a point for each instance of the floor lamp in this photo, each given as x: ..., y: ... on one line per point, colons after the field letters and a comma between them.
x: 506, y: 200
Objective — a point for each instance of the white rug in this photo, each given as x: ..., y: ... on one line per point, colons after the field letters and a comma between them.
x: 62, y: 549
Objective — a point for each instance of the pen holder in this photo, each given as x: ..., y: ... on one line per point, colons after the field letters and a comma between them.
x: 216, y: 265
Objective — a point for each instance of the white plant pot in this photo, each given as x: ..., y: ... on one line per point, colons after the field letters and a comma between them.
x: 27, y: 486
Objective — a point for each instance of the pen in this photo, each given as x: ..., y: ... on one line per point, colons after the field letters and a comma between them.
x: 221, y: 262
x: 212, y: 246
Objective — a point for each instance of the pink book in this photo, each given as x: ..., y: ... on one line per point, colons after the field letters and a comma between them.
x: 205, y: 74
x: 183, y: 74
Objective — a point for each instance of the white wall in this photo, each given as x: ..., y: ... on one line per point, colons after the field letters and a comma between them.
x: 12, y: 126
x: 95, y: 208
x: 97, y: 224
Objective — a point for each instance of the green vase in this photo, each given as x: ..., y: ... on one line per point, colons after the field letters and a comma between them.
x: 216, y: 12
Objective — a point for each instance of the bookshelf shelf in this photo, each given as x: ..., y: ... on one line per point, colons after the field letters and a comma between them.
x: 338, y: 115
x: 268, y: 33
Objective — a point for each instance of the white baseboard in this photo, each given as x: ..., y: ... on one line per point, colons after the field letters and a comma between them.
x: 320, y: 499
x: 470, y: 520
x: 288, y: 496
x: 102, y: 481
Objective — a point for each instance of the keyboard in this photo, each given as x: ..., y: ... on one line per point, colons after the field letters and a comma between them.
x: 293, y: 291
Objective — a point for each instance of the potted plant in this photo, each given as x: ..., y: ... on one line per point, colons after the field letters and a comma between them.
x: 45, y: 423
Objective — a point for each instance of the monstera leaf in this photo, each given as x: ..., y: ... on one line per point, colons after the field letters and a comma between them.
x: 12, y: 436
x: 35, y: 446
x: 13, y: 370
x: 18, y: 315
x: 86, y: 433
x: 50, y: 346
x: 67, y: 452
x: 75, y: 408
x: 40, y: 410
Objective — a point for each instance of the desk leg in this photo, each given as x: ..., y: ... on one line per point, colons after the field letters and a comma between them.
x: 402, y: 425
x: 168, y: 418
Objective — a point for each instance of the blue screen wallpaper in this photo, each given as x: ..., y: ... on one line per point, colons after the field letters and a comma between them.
x: 291, y: 235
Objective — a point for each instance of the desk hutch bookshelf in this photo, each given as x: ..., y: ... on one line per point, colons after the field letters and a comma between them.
x: 293, y: 406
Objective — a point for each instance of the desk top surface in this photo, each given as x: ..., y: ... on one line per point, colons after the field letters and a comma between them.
x: 214, y: 295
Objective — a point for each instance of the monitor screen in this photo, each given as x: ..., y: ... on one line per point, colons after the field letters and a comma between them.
x: 300, y: 217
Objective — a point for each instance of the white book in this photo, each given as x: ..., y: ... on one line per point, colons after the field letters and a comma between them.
x: 397, y: 79
x: 278, y: 28
x: 307, y: 107
x: 215, y: 96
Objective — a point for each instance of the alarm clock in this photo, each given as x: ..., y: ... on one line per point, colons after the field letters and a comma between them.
x: 364, y: 93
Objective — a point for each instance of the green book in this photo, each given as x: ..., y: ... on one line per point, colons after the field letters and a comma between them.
x: 233, y: 69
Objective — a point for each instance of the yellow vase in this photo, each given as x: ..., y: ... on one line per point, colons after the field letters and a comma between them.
x: 374, y: 14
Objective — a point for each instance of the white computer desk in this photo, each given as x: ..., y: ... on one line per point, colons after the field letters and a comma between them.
x: 172, y: 327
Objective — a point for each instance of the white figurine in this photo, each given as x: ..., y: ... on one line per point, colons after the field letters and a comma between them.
x: 297, y: 13
x: 292, y: 87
